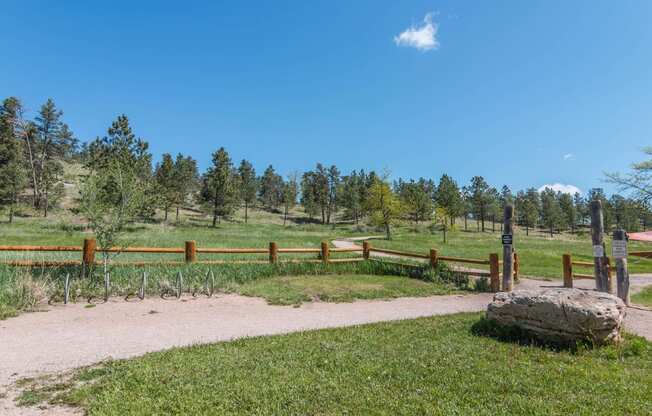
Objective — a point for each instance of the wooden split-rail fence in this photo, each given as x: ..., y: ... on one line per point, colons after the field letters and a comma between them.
x: 190, y: 251
x: 569, y: 266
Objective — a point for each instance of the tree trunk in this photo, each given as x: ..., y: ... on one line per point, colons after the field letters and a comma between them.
x: 444, y: 232
x: 214, y: 218
x: 285, y: 215
x: 177, y: 219
x: 493, y: 223
x: 465, y: 222
x: 551, y: 229
x: 388, y: 232
x: 165, y: 218
x: 45, y: 206
x: 246, y: 211
x: 527, y: 229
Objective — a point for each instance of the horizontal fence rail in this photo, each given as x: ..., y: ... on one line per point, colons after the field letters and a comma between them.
x: 190, y: 252
x: 569, y: 273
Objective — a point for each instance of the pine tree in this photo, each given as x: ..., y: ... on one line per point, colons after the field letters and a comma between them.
x: 12, y: 169
x: 270, y: 192
x: 384, y: 206
x: 219, y: 189
x: 185, y: 180
x: 449, y: 198
x: 164, y: 175
x: 290, y: 190
x: 480, y: 198
x: 248, y: 185
x: 551, y: 215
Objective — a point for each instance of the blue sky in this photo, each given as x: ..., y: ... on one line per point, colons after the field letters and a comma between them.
x: 525, y: 93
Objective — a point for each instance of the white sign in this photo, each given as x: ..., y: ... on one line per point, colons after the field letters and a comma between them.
x: 598, y: 251
x: 619, y: 249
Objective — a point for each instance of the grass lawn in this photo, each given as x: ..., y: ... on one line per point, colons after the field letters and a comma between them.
x: 644, y: 297
x: 539, y: 254
x: 436, y: 366
x: 293, y: 290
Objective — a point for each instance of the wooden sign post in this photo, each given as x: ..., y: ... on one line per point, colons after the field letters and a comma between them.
x: 508, y: 249
x: 619, y: 252
x: 600, y: 271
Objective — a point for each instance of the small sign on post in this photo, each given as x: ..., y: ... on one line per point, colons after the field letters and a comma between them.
x: 508, y: 248
x: 619, y: 251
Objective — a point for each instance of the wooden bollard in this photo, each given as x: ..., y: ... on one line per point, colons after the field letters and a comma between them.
x: 433, y: 258
x: 494, y: 272
x: 619, y: 252
x: 273, y: 252
x: 610, y: 275
x: 88, y: 255
x: 366, y: 248
x: 324, y: 252
x: 508, y: 248
x: 191, y: 251
x: 517, y: 265
x: 599, y: 265
x: 567, y: 264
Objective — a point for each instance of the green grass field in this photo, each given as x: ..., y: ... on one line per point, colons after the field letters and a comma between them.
x: 540, y: 255
x: 437, y: 365
x: 644, y: 297
x: 293, y: 290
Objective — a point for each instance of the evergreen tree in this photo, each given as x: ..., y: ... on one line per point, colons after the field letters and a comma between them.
x: 568, y: 211
x: 185, y: 180
x: 334, y: 182
x: 449, y: 198
x: 353, y: 190
x: 417, y: 198
x: 290, y: 190
x: 219, y: 186
x: 164, y: 175
x: 480, y: 197
x: 551, y: 215
x: 121, y: 144
x: 248, y: 184
x: 12, y: 169
x: 271, y: 189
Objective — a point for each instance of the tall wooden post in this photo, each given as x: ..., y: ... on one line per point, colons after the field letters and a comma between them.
x: 597, y: 230
x: 610, y: 275
x: 433, y: 258
x: 494, y: 272
x: 273, y: 252
x: 191, y: 251
x: 366, y: 248
x: 324, y: 252
x: 517, y: 265
x: 88, y: 255
x: 508, y: 248
x: 619, y: 252
x: 567, y: 264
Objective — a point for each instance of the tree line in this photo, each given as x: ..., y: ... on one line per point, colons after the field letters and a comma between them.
x: 121, y: 183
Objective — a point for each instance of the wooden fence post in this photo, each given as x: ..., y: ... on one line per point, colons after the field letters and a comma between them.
x: 619, y: 246
x: 517, y: 265
x: 567, y: 264
x: 433, y: 258
x: 273, y: 252
x: 88, y: 255
x: 191, y: 251
x: 324, y: 252
x: 508, y: 248
x: 494, y: 272
x: 597, y: 238
x: 366, y: 247
x: 610, y: 275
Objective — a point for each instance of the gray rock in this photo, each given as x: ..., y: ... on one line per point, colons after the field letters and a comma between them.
x: 561, y: 315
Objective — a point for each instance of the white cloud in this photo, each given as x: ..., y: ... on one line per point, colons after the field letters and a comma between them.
x: 569, y: 156
x: 560, y: 187
x: 423, y: 38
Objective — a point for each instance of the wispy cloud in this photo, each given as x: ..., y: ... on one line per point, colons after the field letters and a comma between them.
x: 569, y: 156
x: 423, y: 38
x: 560, y: 187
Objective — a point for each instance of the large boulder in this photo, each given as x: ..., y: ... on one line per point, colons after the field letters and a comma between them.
x: 561, y: 315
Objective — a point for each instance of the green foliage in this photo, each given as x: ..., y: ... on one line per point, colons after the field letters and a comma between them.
x: 383, y: 204
x: 417, y: 198
x: 270, y: 192
x: 644, y: 297
x: 12, y: 168
x: 449, y: 198
x: 247, y: 184
x: 219, y: 186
